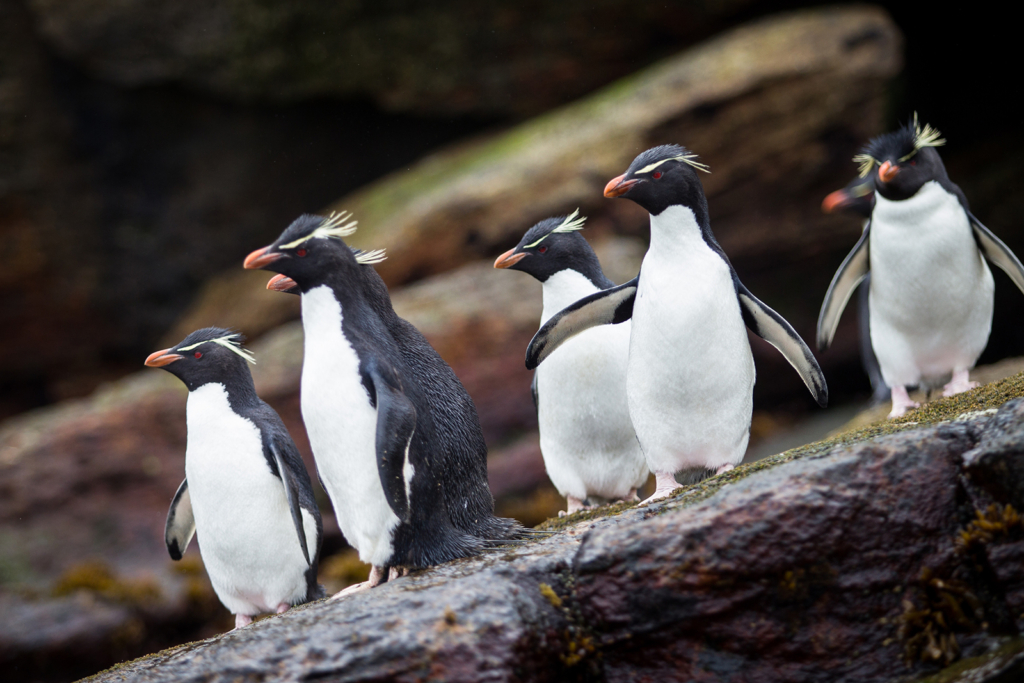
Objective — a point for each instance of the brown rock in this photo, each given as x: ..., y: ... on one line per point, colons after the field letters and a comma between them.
x: 452, y: 56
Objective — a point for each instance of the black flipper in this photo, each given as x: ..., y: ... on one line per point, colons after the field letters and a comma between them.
x: 396, y: 422
x: 536, y: 396
x: 997, y: 252
x: 181, y: 523
x: 850, y: 274
x: 292, y: 495
x: 773, y: 328
x: 607, y: 307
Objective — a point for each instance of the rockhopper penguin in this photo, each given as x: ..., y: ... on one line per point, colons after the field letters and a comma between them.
x: 396, y: 438
x: 586, y: 437
x: 246, y: 490
x: 931, y: 292
x: 858, y: 199
x: 690, y: 374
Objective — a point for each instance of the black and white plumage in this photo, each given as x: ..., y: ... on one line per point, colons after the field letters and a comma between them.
x: 690, y: 374
x: 858, y: 199
x: 396, y: 438
x: 931, y: 291
x: 246, y: 490
x: 586, y: 436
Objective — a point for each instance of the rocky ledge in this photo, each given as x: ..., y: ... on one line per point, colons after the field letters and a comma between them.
x: 891, y: 553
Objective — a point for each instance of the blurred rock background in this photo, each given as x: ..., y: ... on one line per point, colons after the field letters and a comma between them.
x: 147, y: 147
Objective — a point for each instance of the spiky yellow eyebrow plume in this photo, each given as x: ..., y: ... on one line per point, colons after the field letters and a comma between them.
x: 229, y: 343
x: 866, y: 161
x: 688, y: 159
x: 369, y: 257
x: 926, y: 137
x: 332, y: 226
x: 571, y: 223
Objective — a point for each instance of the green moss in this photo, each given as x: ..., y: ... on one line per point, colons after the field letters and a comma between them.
x: 96, y: 577
x: 956, y: 672
x: 997, y: 523
x: 550, y: 595
x: 934, y: 611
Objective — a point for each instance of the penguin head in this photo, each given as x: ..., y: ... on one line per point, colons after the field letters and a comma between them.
x: 858, y: 197
x: 211, y: 354
x: 309, y: 251
x: 902, y: 161
x: 551, y: 246
x: 661, y: 177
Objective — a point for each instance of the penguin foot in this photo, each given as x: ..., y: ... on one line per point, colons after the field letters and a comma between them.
x: 397, y: 573
x: 959, y: 384
x: 630, y: 497
x: 283, y: 607
x: 572, y: 505
x: 377, y: 576
x: 665, y: 484
x: 901, y: 402
x: 242, y: 620
x: 724, y: 468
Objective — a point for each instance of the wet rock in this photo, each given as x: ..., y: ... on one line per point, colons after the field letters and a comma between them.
x: 451, y: 56
x: 840, y: 564
x: 997, y: 464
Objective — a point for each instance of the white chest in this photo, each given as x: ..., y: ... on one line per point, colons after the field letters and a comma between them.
x: 244, y: 527
x: 691, y: 373
x: 342, y: 426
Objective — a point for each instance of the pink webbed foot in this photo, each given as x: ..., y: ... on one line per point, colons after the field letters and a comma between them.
x: 283, y: 607
x: 959, y: 384
x: 397, y: 573
x: 242, y: 620
x: 665, y: 484
x: 377, y: 577
x: 573, y: 504
x: 630, y: 497
x: 901, y: 402
x: 724, y: 468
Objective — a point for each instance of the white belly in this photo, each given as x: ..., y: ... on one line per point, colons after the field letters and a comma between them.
x: 931, y: 293
x: 586, y: 436
x: 690, y: 378
x: 244, y: 527
x: 342, y: 428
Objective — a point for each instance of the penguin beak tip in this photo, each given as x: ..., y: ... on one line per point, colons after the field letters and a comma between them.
x: 159, y: 359
x: 281, y: 283
x: 509, y: 259
x: 619, y: 186
x: 261, y: 258
x: 887, y: 171
x: 835, y: 201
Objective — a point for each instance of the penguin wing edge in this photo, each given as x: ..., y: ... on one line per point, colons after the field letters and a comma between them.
x: 181, y: 523
x: 396, y: 424
x: 292, y: 496
x: 774, y: 329
x: 607, y: 307
x: 844, y: 283
x: 996, y: 251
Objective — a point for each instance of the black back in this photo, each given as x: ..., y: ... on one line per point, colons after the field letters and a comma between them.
x: 448, y: 450
x: 548, y: 253
x: 211, y: 362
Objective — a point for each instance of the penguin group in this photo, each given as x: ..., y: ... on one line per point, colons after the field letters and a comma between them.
x: 651, y: 376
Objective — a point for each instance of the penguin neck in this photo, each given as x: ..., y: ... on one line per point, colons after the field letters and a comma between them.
x: 238, y: 386
x: 347, y: 291
x: 564, y: 288
x: 678, y: 234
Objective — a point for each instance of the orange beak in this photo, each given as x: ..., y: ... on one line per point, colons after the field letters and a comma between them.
x: 619, y: 186
x: 158, y: 359
x: 887, y: 171
x: 509, y: 259
x: 835, y: 200
x: 281, y: 283
x: 261, y: 258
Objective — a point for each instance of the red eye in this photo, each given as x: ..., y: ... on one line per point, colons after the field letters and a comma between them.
x: 657, y: 174
x: 199, y: 354
x: 914, y: 162
x: 301, y: 252
x: 542, y: 249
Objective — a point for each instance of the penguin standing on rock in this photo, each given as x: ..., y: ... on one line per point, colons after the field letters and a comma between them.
x: 931, y: 292
x: 586, y: 437
x: 396, y: 438
x: 690, y: 374
x: 246, y: 489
